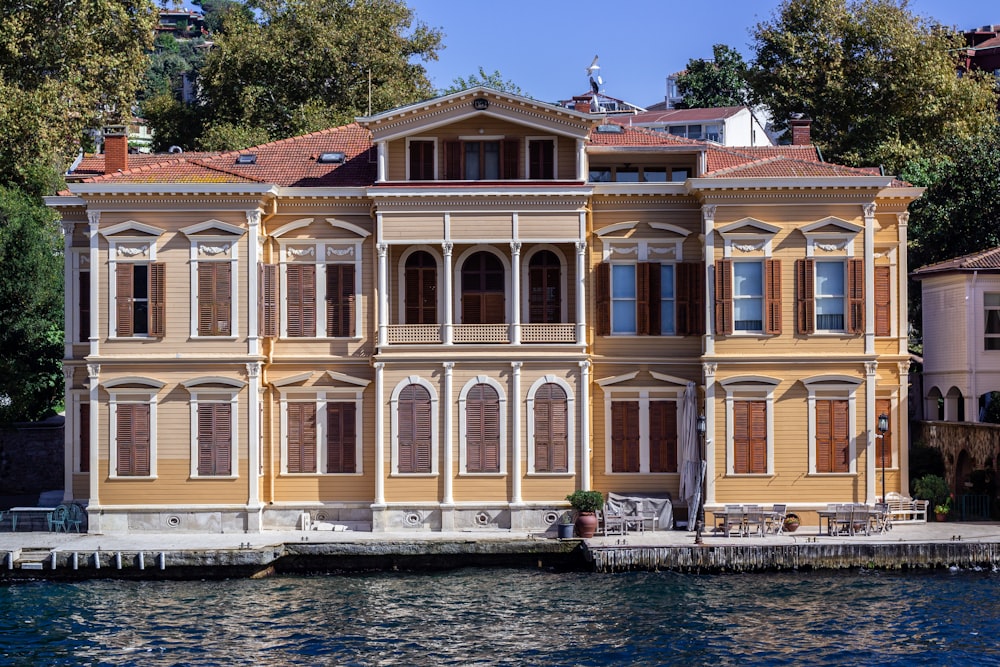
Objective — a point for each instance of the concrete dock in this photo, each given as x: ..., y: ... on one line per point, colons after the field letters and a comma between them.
x: 26, y: 555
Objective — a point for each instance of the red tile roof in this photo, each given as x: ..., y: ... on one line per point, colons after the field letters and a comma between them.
x: 983, y: 260
x: 636, y: 136
x: 92, y: 164
x: 782, y: 167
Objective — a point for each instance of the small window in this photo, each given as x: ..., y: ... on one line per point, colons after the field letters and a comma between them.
x: 627, y: 174
x: 694, y: 132
x: 654, y: 175
x: 748, y: 296
x: 246, y: 159
x: 678, y: 175
x: 991, y: 303
x: 599, y: 176
x: 830, y: 296
x: 678, y: 130
x: 331, y: 158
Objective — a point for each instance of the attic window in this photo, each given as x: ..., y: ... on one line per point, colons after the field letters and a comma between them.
x: 331, y: 158
x: 247, y: 158
x: 610, y: 128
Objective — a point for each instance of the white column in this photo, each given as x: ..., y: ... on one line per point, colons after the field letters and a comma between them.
x: 870, y: 417
x: 446, y: 403
x: 708, y: 219
x: 869, y: 210
x: 253, y: 445
x: 383, y: 294
x: 449, y: 314
x: 383, y: 161
x: 709, y: 372
x: 581, y: 292
x: 585, y: 425
x: 902, y: 289
x: 581, y: 160
x: 515, y: 440
x: 380, y: 434
x: 515, y: 288
x: 253, y: 266
x: 94, y: 218
x: 71, y: 428
x: 93, y: 375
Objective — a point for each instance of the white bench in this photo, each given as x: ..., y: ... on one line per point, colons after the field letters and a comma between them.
x: 903, y: 509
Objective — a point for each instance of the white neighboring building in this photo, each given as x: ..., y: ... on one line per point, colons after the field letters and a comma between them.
x: 961, y: 331
x: 728, y: 126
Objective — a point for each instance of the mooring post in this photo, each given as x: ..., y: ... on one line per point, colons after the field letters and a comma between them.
x: 163, y: 560
x: 97, y: 560
x: 75, y: 560
x: 142, y: 561
x: 52, y: 560
x: 118, y: 560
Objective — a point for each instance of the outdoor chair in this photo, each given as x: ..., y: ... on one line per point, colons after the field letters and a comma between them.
x: 57, y: 519
x: 776, y: 519
x: 881, y: 520
x: 731, y: 520
x: 843, y: 520
x: 754, y: 521
x: 860, y: 519
x: 613, y: 520
x: 74, y: 517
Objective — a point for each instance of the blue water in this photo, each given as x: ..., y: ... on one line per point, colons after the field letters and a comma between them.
x: 510, y: 617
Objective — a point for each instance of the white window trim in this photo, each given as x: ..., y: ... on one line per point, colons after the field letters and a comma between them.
x: 125, y: 250
x: 401, y: 279
x: 761, y: 296
x: 219, y: 247
x: 437, y: 152
x: 834, y: 388
x: 146, y: 388
x: 320, y: 397
x: 843, y: 297
x: 570, y: 426
x: 459, y: 288
x: 217, y: 395
x: 394, y: 426
x: 463, y: 427
x: 323, y: 254
x: 616, y: 251
x: 642, y: 395
x: 555, y: 154
x: 749, y: 388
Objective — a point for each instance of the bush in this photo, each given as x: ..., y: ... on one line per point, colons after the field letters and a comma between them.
x: 586, y: 501
x: 932, y: 488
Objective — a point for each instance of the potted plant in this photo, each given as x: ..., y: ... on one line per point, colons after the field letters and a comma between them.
x: 791, y: 523
x: 941, y: 510
x: 565, y: 526
x: 586, y: 504
x: 935, y: 491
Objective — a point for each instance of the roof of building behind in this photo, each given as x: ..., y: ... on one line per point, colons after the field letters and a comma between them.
x: 981, y: 260
x: 685, y: 115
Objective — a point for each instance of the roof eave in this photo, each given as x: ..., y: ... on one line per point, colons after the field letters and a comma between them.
x: 116, y: 188
x: 785, y: 182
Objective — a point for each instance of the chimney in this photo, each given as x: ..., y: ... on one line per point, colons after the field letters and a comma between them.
x: 581, y: 104
x: 800, y: 125
x: 115, y: 149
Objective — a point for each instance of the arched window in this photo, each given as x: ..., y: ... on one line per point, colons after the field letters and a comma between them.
x: 551, y: 429
x: 544, y: 292
x: 421, y: 288
x: 482, y: 430
x: 483, y: 289
x: 414, y: 429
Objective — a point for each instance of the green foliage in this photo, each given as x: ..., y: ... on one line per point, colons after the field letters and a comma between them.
x: 65, y: 67
x: 174, y: 123
x: 227, y: 136
x: 293, y: 65
x: 720, y: 82
x: 492, y: 80
x: 878, y: 81
x: 586, y: 501
x: 932, y: 488
x: 31, y: 337
x: 925, y: 460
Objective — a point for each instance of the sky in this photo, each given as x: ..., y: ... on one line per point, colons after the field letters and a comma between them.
x: 545, y: 46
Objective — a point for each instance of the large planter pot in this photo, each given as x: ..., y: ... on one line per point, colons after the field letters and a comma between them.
x: 941, y: 516
x: 790, y: 527
x: 565, y: 530
x: 586, y: 524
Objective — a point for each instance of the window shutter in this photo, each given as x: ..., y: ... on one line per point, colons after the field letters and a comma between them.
x: 856, y: 294
x: 758, y: 437
x: 123, y: 298
x: 157, y: 299
x: 511, y: 152
x: 214, y: 439
x: 883, y: 406
x: 841, y: 436
x: 340, y: 300
x: 723, y: 297
x: 83, y: 312
x: 654, y: 278
x: 805, y: 305
x: 421, y: 289
x: 493, y: 308
x: 883, y: 305
x: 541, y: 159
x: 642, y: 298
x: 414, y: 430
x: 133, y: 439
x: 741, y: 437
x: 690, y: 292
x: 662, y: 436
x: 482, y: 429
x: 551, y: 429
x: 543, y: 432
x: 268, y: 300
x: 772, y: 296
x: 625, y: 436
x: 602, y: 290
x: 84, y: 423
x: 824, y: 437
x: 214, y: 295
x: 301, y: 303
x: 453, y: 160
x: 341, y: 437
x: 301, y: 453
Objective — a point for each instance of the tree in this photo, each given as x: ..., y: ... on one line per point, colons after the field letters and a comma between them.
x: 492, y: 80
x: 297, y: 66
x: 31, y: 307
x: 720, y: 82
x: 65, y: 66
x: 878, y: 81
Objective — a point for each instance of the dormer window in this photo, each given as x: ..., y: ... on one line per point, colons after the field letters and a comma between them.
x: 246, y: 158
x: 331, y: 158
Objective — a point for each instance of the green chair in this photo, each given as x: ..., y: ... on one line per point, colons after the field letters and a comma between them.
x: 57, y: 519
x: 74, y: 518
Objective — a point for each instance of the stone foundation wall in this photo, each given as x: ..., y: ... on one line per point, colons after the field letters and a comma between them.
x: 31, y: 457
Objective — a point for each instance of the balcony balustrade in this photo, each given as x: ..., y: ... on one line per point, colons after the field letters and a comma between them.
x: 497, y: 334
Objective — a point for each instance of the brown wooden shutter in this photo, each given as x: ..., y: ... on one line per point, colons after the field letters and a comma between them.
x: 414, y: 430
x: 883, y: 301
x: 341, y: 444
x: 856, y: 295
x: 625, y: 436
x: 421, y: 160
x: 124, y: 275
x: 824, y: 437
x: 84, y: 425
x: 268, y: 300
x: 214, y: 439
x: 758, y: 437
x: 883, y: 406
x: 832, y: 436
x: 551, y: 440
x: 301, y: 443
x: 157, y: 299
x: 214, y: 298
x: 655, y: 300
x: 493, y: 308
x: 301, y: 301
x: 723, y: 297
x: 340, y: 300
x: 690, y: 298
x: 133, y: 439
x: 805, y: 304
x: 602, y: 296
x: 662, y: 436
x: 541, y: 159
x: 482, y: 429
x: 511, y: 149
x: 750, y: 437
x: 772, y: 296
x: 741, y: 437
x: 453, y: 160
x: 642, y: 298
x: 83, y: 300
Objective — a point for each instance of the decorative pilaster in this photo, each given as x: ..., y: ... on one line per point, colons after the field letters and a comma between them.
x: 93, y: 223
x: 383, y: 293
x: 254, y: 445
x: 449, y: 313
x: 708, y: 371
x: 68, y: 288
x: 71, y: 425
x: 708, y: 225
x: 869, y: 210
x: 871, y: 367
x: 515, y: 288
x: 515, y: 440
x: 93, y: 381
x: 902, y: 286
x: 253, y: 297
x: 447, y: 472
x: 581, y: 292
x: 585, y: 450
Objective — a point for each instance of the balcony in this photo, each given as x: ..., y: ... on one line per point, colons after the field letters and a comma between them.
x: 490, y: 334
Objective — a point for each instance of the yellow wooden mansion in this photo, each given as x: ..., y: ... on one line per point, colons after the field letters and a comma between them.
x: 450, y: 315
